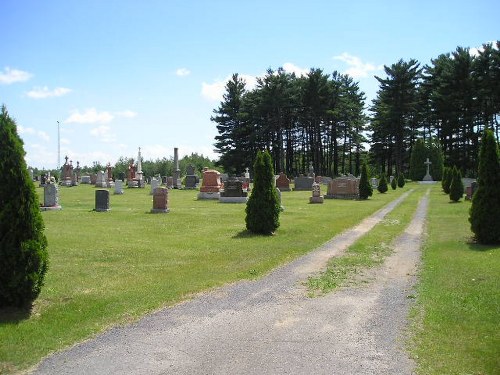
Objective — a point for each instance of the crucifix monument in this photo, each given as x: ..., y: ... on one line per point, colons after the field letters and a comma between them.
x: 427, y: 176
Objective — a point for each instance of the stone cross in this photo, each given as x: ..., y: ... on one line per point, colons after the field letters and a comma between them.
x: 428, y: 163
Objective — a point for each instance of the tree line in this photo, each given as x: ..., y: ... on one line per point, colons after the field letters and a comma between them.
x: 320, y: 118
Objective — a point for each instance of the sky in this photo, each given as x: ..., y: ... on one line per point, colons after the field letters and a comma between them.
x: 101, y: 78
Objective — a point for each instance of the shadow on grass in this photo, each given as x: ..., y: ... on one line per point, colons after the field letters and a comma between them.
x: 476, y: 246
x: 14, y: 315
x: 247, y: 234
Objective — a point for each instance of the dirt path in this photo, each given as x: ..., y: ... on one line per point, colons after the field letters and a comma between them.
x: 270, y: 326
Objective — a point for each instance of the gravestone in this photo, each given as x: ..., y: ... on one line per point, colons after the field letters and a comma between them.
x: 30, y: 171
x: 160, y: 200
x: 154, y: 184
x: 191, y: 179
x: 427, y: 176
x: 303, y: 183
x: 109, y: 181
x: 101, y: 181
x: 374, y: 182
x: 50, y: 198
x: 93, y: 178
x: 177, y: 171
x: 283, y: 182
x: 85, y: 180
x: 278, y: 191
x: 470, y: 187
x: 170, y: 182
x: 67, y: 173
x: 43, y: 180
x: 343, y: 188
x: 101, y: 200
x: 118, y: 187
x: 211, y: 184
x: 233, y: 192
x: 316, y: 194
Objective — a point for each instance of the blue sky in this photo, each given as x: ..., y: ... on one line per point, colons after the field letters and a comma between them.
x: 119, y: 75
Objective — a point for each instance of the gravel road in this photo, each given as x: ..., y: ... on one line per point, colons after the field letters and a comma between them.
x: 270, y: 326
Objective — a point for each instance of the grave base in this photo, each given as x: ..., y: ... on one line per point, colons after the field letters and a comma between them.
x: 316, y: 200
x: 233, y: 199
x: 50, y: 208
x: 208, y: 195
x: 159, y: 211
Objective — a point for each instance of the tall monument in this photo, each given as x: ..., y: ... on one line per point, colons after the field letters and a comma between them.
x: 427, y: 176
x: 177, y: 171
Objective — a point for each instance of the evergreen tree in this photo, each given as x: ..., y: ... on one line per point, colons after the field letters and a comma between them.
x: 444, y: 180
x: 417, y: 159
x: 486, y: 200
x: 365, y: 188
x: 401, y: 180
x: 447, y: 182
x: 23, y: 245
x: 382, y: 184
x: 394, y: 183
x: 263, y: 207
x: 456, y: 186
x: 436, y: 157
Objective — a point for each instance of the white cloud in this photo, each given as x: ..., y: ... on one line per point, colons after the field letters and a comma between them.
x: 23, y: 130
x: 215, y: 91
x: 90, y: 116
x: 292, y: 68
x: 30, y: 131
x: 357, y: 68
x: 104, y: 134
x: 14, y: 75
x: 44, y: 92
x: 43, y: 135
x: 474, y: 51
x: 182, y: 72
x: 127, y: 113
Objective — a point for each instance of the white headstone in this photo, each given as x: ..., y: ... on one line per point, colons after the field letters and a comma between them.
x: 118, y: 187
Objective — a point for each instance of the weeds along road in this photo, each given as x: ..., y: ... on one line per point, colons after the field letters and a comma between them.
x: 271, y: 326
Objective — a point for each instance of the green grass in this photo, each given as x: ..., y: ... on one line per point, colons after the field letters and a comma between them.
x: 456, y: 322
x: 109, y: 268
x: 369, y: 251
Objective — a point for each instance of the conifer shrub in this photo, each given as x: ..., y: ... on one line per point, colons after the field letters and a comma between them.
x: 456, y: 186
x: 446, y: 170
x: 23, y: 245
x: 263, y: 207
x: 382, y: 184
x: 485, y: 209
x: 365, y: 188
x: 401, y: 180
x: 447, y: 180
x: 394, y: 184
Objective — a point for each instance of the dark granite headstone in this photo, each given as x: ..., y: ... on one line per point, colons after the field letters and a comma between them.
x: 101, y: 200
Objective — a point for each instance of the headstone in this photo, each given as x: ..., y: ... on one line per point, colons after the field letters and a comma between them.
x: 43, y: 180
x: 109, y: 182
x: 311, y: 170
x: 233, y: 192
x: 343, y: 188
x: 303, y: 183
x: 390, y: 179
x: 118, y: 187
x: 93, y: 178
x: 85, y: 180
x: 325, y: 180
x: 278, y: 191
x: 101, y: 200
x: 211, y: 184
x: 160, y: 200
x: 170, y: 182
x: 427, y: 176
x: 470, y: 187
x: 283, y: 182
x: 50, y: 198
x: 316, y: 194
x: 101, y: 181
x: 177, y: 171
x: 154, y: 184
x: 67, y: 173
x: 191, y: 179
x: 374, y: 182
x: 30, y: 171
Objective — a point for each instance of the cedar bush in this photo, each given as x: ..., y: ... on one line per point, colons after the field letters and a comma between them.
x: 401, y: 180
x: 456, y: 186
x: 365, y: 188
x: 263, y: 207
x: 447, y: 180
x: 394, y: 184
x: 484, y: 212
x: 446, y: 170
x: 382, y: 184
x: 23, y: 245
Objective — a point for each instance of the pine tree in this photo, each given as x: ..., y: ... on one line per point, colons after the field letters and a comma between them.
x: 486, y: 200
x: 456, y: 186
x: 263, y: 207
x: 365, y: 189
x: 401, y: 180
x: 23, y: 245
x: 382, y: 184
x: 394, y: 183
x: 418, y: 156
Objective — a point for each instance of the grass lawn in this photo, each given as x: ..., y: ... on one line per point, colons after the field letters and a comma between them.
x: 109, y: 268
x: 456, y: 322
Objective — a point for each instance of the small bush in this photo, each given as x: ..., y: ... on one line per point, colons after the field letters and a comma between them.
x: 263, y: 207
x: 365, y: 188
x: 394, y: 184
x: 23, y: 245
x: 456, y: 186
x: 447, y: 180
x: 401, y: 180
x: 382, y: 184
